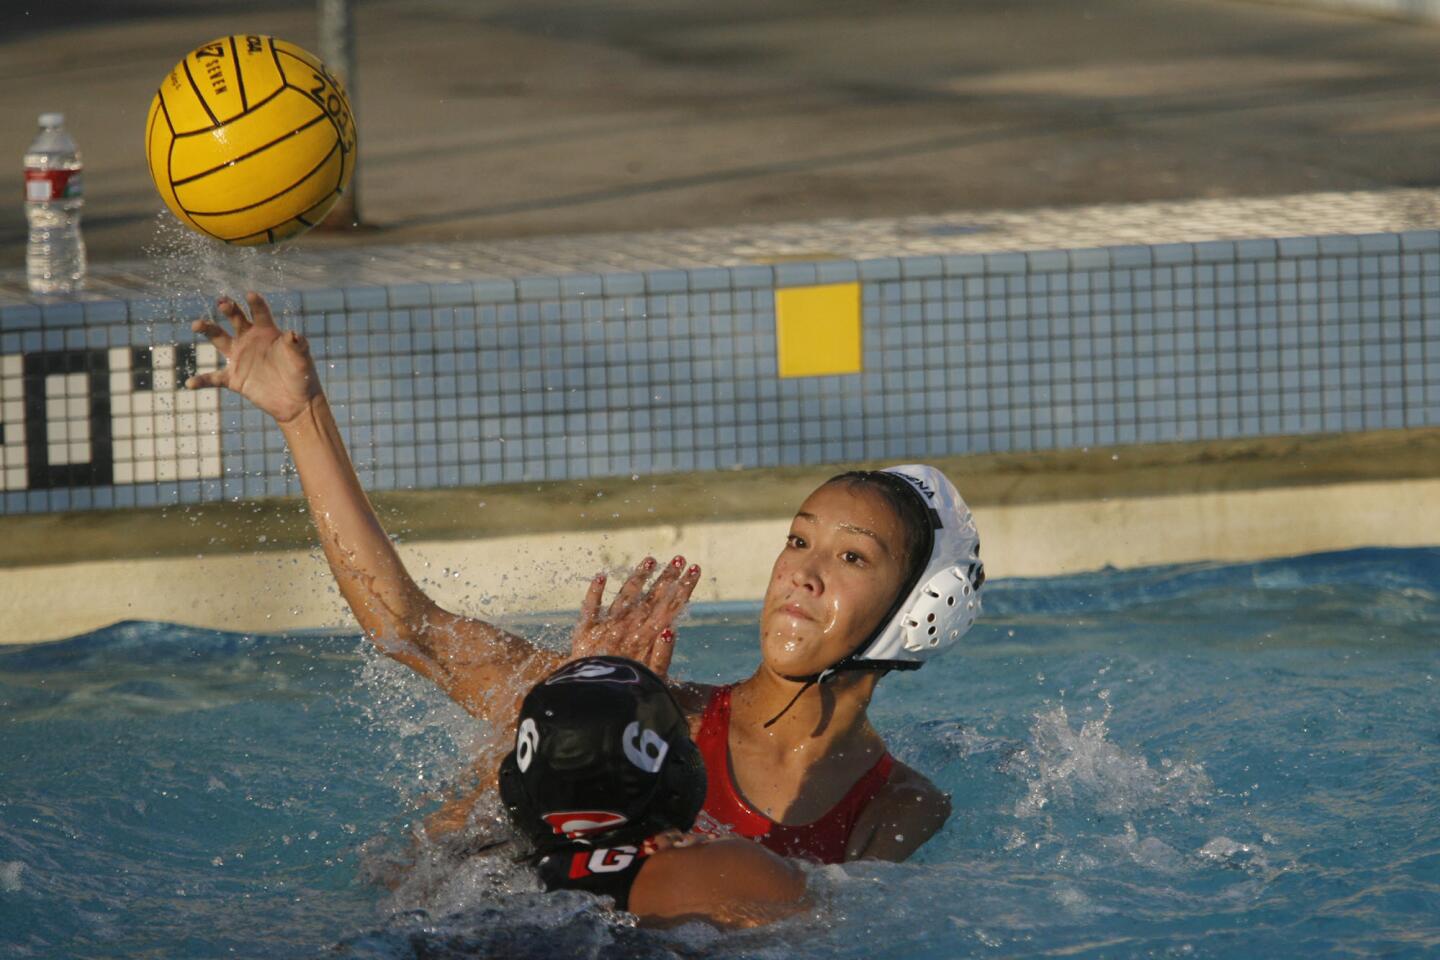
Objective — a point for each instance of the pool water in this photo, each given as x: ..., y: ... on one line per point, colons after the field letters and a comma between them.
x: 1192, y: 761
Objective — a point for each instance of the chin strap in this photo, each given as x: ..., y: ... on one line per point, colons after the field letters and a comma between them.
x: 810, y: 681
x: 849, y: 663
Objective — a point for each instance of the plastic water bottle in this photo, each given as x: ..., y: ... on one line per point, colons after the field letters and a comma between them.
x: 54, y: 194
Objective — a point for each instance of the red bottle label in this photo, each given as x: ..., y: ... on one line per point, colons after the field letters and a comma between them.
x: 42, y: 186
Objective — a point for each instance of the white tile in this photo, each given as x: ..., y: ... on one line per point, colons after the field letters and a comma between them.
x: 77, y: 408
x: 207, y: 423
x: 142, y: 426
x: 58, y: 454
x: 189, y: 468
x: 185, y: 423
x: 166, y: 470
x: 210, y: 467
x: 55, y: 385
x: 15, y: 478
x: 58, y: 431
x: 12, y: 411
x: 12, y: 365
x: 144, y: 450
x: 80, y: 452
x: 187, y: 445
x: 77, y: 385
x: 120, y: 404
x: 145, y: 471
x: 165, y: 447
x: 55, y: 408
x: 119, y: 358
x: 207, y: 358
x: 186, y: 400
x: 142, y: 402
x: 124, y: 472
x: 122, y: 426
x: 124, y: 450
x: 119, y: 384
x: 164, y: 380
x: 163, y: 401
x: 15, y: 435
x: 80, y: 430
x: 162, y: 357
x: 12, y: 388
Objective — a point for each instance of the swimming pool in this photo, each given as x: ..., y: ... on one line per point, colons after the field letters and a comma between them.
x: 1194, y: 761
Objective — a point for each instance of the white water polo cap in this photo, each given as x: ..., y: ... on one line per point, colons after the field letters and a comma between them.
x: 942, y: 603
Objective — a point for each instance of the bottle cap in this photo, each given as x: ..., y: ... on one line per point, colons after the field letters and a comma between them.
x: 52, y: 120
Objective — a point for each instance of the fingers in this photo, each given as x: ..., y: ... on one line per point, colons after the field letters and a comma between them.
x: 670, y: 839
x: 259, y: 310
x: 671, y: 593
x: 639, y: 621
x: 232, y: 312
x: 631, y: 590
x: 215, y: 333
x: 660, y: 590
x: 218, y: 378
x: 684, y: 587
x: 662, y: 651
x: 590, y: 606
x: 633, y: 594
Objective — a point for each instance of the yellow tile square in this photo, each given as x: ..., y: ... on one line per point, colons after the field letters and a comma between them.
x: 817, y: 330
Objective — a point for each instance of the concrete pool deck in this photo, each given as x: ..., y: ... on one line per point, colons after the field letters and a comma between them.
x: 543, y: 118
x: 501, y: 551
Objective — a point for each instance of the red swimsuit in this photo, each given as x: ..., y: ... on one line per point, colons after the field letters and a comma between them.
x: 823, y: 839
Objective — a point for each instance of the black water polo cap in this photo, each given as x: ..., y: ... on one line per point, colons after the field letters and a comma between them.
x: 602, y: 756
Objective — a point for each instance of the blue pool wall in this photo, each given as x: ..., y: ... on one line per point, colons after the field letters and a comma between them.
x: 545, y: 378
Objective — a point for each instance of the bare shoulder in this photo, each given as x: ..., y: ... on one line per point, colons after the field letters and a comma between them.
x: 733, y: 883
x: 907, y: 811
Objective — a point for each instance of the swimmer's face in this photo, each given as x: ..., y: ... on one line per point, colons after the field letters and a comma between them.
x: 843, y: 563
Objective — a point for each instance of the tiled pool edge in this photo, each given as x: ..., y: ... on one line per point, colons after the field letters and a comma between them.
x: 579, y: 375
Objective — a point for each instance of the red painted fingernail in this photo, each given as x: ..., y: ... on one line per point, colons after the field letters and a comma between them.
x: 667, y: 634
x: 649, y: 563
x: 694, y: 568
x: 678, y: 562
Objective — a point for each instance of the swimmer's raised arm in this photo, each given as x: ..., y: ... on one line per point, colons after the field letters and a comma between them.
x: 481, y: 666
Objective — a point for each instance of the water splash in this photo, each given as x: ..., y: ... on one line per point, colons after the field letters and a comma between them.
x: 190, y: 267
x: 1064, y: 765
x: 432, y: 740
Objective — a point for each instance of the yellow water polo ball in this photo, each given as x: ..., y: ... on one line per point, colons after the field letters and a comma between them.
x: 250, y: 140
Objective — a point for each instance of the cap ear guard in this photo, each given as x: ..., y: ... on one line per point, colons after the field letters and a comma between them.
x: 945, y: 610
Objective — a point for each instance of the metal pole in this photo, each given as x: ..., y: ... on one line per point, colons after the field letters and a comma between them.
x: 337, y: 51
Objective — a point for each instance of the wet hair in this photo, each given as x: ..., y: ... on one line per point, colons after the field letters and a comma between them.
x: 914, y: 517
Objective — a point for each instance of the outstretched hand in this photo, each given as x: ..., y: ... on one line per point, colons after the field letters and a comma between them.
x: 639, y: 623
x: 268, y: 366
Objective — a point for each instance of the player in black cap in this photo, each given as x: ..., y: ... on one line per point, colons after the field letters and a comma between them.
x: 604, y: 782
